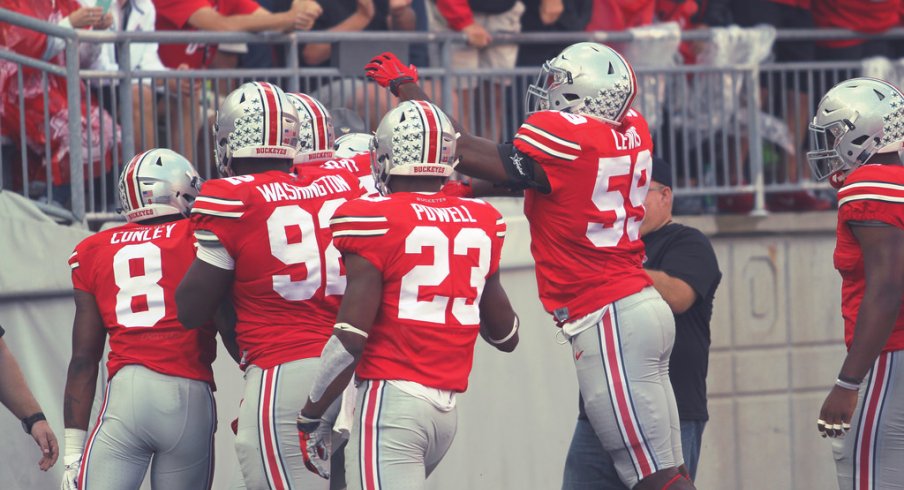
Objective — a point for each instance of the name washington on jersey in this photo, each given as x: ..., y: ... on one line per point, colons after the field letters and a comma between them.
x: 284, y: 191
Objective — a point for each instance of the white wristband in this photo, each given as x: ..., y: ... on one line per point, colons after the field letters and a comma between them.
x: 507, y: 337
x: 73, y: 444
x: 848, y: 386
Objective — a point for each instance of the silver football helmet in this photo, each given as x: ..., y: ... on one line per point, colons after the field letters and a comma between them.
x: 855, y: 120
x: 415, y: 139
x: 256, y: 120
x: 351, y: 144
x: 585, y: 78
x: 158, y: 182
x: 315, y: 127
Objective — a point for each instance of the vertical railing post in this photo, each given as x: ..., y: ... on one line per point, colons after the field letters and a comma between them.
x: 445, y: 57
x: 126, y: 120
x: 74, y: 101
x: 756, y: 141
x: 292, y: 55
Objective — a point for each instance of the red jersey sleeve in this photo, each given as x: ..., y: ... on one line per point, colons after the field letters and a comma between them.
x: 873, y: 193
x: 457, y: 13
x: 547, y: 138
x: 216, y: 212
x: 80, y: 263
x: 497, y: 238
x: 357, y: 228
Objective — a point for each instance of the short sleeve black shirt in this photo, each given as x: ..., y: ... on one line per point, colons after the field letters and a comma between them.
x: 685, y: 253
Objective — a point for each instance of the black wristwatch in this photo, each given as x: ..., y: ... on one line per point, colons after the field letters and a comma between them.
x: 31, y: 420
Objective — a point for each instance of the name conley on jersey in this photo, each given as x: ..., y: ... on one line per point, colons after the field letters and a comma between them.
x: 142, y: 235
x: 454, y: 214
x: 283, y: 191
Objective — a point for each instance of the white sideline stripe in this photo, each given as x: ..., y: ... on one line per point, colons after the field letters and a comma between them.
x: 874, y: 197
x: 216, y: 200
x: 552, y: 137
x: 545, y: 148
x: 225, y: 214
x: 360, y: 233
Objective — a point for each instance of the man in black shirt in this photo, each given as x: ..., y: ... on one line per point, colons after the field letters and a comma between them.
x: 683, y: 266
x: 16, y: 396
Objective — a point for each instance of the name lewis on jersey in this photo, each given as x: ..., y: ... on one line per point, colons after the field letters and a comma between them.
x: 454, y: 214
x: 628, y: 140
x: 284, y: 191
x: 143, y: 235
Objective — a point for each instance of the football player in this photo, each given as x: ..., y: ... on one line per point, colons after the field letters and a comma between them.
x: 316, y: 143
x: 264, y: 237
x: 423, y: 282
x: 158, y: 402
x: 583, y: 159
x: 858, y: 143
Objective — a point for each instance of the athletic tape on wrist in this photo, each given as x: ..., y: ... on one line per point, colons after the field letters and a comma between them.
x: 74, y: 443
x: 507, y: 337
x: 334, y: 359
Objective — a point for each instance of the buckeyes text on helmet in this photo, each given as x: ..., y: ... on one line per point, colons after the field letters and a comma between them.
x: 256, y: 120
x: 415, y: 139
x: 586, y: 78
x: 315, y: 128
x: 854, y: 121
x: 158, y: 182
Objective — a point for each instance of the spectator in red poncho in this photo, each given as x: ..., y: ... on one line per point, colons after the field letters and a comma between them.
x: 857, y: 15
x: 67, y: 13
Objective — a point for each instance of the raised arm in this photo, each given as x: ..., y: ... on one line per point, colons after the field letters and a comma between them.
x: 479, y: 157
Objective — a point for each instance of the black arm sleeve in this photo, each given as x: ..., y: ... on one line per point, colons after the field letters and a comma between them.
x: 520, y: 169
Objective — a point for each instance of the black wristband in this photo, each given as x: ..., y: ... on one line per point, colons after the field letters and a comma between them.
x: 395, y: 83
x: 31, y: 420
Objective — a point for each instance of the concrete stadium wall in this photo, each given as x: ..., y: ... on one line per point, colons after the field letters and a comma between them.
x: 776, y: 349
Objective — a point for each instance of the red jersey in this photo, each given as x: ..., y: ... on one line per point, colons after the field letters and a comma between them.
x: 870, y: 193
x: 133, y: 271
x: 288, y: 277
x: 173, y: 15
x: 856, y: 15
x: 585, y: 233
x: 358, y: 165
x: 435, y: 253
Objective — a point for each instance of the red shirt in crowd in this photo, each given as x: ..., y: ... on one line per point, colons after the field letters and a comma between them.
x: 618, y: 15
x: 173, y: 15
x: 856, y: 15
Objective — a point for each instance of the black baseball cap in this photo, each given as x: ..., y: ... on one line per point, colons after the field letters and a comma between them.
x: 662, y: 171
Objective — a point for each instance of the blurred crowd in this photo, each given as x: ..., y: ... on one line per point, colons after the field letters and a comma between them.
x: 164, y: 108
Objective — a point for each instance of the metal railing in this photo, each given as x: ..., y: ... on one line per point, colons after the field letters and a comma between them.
x: 726, y: 129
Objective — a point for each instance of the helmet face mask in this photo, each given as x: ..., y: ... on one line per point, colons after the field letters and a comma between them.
x: 415, y: 139
x: 586, y: 78
x: 158, y: 182
x: 855, y: 120
x: 256, y: 120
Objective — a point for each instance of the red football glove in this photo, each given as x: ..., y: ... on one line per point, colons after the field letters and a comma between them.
x: 314, y: 438
x: 388, y: 71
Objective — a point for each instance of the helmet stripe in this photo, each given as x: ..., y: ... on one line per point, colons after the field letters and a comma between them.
x: 132, y: 188
x: 271, y: 115
x: 432, y: 146
x: 630, y: 100
x: 317, y: 112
